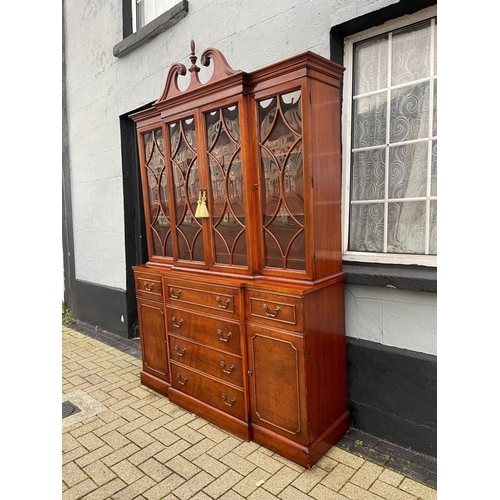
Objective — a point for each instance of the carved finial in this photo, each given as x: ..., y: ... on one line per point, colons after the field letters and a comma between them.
x: 193, y: 59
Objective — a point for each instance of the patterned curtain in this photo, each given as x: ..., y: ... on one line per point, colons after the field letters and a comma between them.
x: 394, y: 146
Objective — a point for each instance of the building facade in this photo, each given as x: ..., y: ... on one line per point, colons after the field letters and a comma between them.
x: 116, y: 55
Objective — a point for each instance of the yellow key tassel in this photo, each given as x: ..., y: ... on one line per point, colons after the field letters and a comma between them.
x: 201, y: 209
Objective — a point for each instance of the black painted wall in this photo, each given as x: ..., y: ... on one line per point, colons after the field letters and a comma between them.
x: 393, y: 394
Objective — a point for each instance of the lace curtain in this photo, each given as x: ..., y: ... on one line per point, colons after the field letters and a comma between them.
x: 394, y: 146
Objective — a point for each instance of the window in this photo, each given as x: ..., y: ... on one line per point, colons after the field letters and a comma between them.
x: 390, y: 142
x: 144, y: 11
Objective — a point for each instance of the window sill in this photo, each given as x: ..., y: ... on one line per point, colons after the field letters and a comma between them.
x: 155, y: 27
x: 415, y: 278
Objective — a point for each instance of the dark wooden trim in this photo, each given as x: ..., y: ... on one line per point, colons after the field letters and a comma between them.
x: 164, y: 21
x: 136, y: 251
x: 365, y: 21
x: 127, y: 18
x: 67, y: 214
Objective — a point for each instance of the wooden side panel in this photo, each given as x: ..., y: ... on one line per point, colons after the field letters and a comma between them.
x: 326, y: 358
x: 325, y: 162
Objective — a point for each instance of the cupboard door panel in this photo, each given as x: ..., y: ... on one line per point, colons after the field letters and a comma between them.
x: 277, y: 382
x: 153, y: 337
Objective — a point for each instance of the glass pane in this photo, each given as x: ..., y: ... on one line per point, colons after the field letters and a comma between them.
x: 280, y: 120
x: 158, y: 193
x: 183, y: 161
x: 370, y: 121
x: 368, y: 175
x: 411, y: 54
x: 366, y: 229
x: 406, y: 227
x: 408, y: 170
x: 226, y: 176
x: 434, y: 169
x: 370, y: 65
x: 434, y: 110
x: 410, y: 113
x: 433, y: 229
x: 435, y: 47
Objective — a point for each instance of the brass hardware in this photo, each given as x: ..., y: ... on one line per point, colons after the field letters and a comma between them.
x: 231, y: 368
x: 148, y: 286
x: 201, y: 209
x: 223, y: 396
x: 277, y: 309
x: 180, y: 381
x: 177, y: 325
x: 184, y: 350
x: 172, y: 293
x: 228, y: 301
x: 228, y: 336
x: 250, y: 373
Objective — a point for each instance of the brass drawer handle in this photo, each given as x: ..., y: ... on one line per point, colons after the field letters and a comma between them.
x: 179, y: 324
x: 180, y: 381
x: 181, y: 353
x: 148, y: 286
x: 173, y: 294
x: 221, y: 338
x: 277, y: 309
x: 224, y: 397
x: 231, y: 368
x: 228, y: 301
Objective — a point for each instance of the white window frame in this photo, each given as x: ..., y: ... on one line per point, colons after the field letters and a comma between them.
x: 152, y: 5
x: 369, y: 257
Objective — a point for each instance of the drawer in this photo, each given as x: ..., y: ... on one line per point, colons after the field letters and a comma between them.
x: 227, y: 398
x: 212, y: 332
x: 148, y: 285
x: 203, y: 297
x: 219, y: 364
x: 280, y: 311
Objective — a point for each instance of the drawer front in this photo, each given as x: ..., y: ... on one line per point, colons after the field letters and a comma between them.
x: 279, y: 311
x: 216, y: 363
x: 148, y: 285
x: 217, y: 394
x: 212, y: 332
x: 203, y: 297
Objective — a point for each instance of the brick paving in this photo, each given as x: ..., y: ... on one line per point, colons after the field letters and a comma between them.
x: 129, y: 443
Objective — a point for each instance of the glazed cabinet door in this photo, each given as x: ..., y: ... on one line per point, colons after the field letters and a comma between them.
x: 153, y: 338
x: 282, y: 181
x: 277, y: 382
x: 155, y: 193
x: 183, y: 161
x: 227, y: 204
